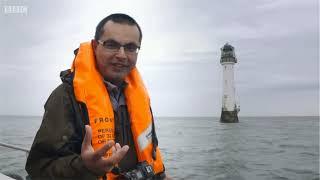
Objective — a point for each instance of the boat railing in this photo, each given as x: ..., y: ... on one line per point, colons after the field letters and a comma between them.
x: 10, y: 146
x: 13, y: 175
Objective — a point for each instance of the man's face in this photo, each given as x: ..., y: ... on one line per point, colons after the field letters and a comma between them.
x: 115, y: 65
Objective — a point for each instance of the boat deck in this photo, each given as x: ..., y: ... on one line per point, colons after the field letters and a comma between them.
x: 4, y: 177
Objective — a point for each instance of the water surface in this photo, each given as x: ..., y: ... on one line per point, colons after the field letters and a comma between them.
x: 203, y: 148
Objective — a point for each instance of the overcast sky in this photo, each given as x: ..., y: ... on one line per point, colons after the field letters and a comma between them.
x: 276, y: 43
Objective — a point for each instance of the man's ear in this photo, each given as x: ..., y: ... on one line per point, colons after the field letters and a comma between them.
x: 94, y: 44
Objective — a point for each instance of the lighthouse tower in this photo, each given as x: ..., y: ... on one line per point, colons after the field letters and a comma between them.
x: 229, y: 113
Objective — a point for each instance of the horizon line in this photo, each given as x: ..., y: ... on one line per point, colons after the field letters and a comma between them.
x: 200, y: 116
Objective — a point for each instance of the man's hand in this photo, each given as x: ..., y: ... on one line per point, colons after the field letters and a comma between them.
x: 94, y: 160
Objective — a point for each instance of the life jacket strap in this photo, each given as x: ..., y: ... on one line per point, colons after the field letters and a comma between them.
x: 154, y: 139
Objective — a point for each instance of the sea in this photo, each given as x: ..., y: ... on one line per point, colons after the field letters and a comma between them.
x: 256, y: 148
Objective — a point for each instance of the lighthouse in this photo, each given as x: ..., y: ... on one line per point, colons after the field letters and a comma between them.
x: 229, y: 113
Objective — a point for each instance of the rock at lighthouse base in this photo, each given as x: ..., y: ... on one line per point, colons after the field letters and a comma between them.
x: 229, y: 117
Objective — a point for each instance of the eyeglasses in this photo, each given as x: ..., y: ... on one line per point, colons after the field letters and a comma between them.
x: 114, y: 46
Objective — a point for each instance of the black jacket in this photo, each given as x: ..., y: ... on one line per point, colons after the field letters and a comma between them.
x: 56, y: 148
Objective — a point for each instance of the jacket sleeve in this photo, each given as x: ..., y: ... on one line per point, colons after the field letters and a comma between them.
x: 55, y: 152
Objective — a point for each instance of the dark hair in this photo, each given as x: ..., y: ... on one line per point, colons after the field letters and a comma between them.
x: 117, y: 18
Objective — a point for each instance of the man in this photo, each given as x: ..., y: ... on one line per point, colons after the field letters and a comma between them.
x: 98, y: 123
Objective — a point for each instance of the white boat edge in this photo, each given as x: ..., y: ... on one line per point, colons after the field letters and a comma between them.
x: 4, y: 177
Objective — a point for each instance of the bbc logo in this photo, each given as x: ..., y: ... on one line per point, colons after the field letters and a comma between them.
x: 15, y: 9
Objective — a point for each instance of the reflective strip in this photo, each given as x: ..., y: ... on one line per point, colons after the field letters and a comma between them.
x: 144, y: 138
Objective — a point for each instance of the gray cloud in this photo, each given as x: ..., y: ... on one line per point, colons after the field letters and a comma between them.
x: 276, y: 44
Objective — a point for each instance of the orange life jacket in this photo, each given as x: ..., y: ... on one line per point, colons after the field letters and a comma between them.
x: 90, y: 89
